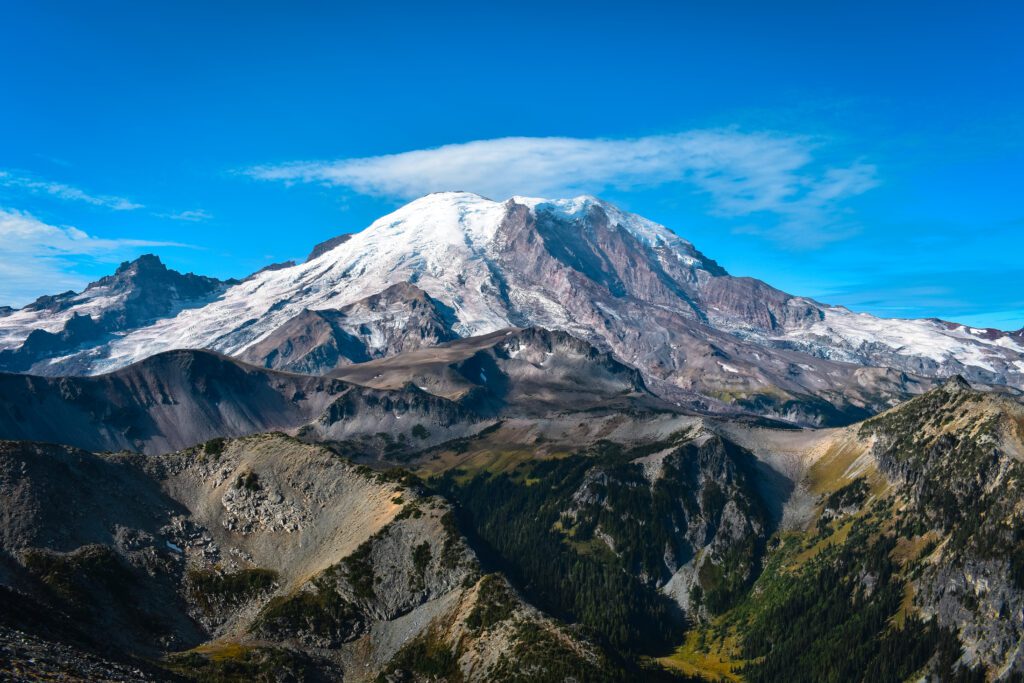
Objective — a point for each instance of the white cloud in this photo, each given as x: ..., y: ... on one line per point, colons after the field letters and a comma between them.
x: 192, y: 216
x: 38, y: 258
x: 762, y: 175
x: 66, y: 192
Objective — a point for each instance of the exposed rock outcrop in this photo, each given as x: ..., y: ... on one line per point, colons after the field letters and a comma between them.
x: 274, y: 555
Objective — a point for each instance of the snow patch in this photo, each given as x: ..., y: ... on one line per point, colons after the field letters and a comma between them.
x: 850, y: 335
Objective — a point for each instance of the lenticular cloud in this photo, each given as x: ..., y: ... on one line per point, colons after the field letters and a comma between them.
x: 742, y: 173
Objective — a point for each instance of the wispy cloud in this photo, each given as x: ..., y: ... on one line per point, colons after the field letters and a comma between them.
x: 38, y: 258
x: 65, y: 192
x: 774, y: 179
x: 192, y: 216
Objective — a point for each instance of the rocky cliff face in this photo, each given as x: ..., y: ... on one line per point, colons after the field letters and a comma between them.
x: 957, y: 456
x: 900, y: 551
x: 401, y: 318
x: 625, y: 539
x: 686, y: 519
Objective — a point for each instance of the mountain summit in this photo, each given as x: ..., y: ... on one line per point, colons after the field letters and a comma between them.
x: 139, y: 293
x: 471, y: 266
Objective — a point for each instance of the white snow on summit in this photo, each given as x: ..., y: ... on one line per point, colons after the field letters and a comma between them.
x: 442, y: 243
x: 437, y: 242
x: 446, y: 244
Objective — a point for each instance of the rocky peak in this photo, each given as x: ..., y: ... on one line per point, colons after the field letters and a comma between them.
x: 327, y: 245
x: 51, y: 302
x: 956, y: 384
x: 400, y: 292
x: 149, y: 270
x: 144, y: 263
x: 272, y: 267
x: 146, y: 266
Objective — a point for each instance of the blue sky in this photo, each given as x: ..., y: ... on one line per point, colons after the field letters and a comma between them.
x: 867, y: 154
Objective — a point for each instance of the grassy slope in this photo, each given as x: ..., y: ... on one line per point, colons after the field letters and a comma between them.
x: 889, y: 519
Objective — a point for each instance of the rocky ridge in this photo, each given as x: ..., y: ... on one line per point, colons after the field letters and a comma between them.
x: 271, y: 556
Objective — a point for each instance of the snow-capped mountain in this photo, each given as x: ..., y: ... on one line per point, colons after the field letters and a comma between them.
x: 137, y: 294
x: 465, y: 265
